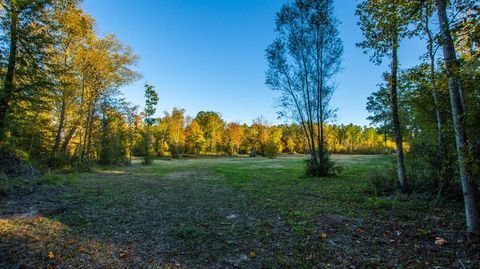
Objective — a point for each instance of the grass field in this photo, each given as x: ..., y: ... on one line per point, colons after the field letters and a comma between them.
x: 226, y: 213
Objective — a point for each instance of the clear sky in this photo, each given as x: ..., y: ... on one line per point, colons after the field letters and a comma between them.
x: 209, y: 55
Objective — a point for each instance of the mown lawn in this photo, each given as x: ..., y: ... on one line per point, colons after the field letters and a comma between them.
x: 227, y: 213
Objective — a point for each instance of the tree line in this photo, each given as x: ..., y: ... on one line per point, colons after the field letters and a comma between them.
x: 433, y: 106
x: 179, y: 135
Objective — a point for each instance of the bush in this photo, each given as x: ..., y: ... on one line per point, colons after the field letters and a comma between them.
x: 271, y: 150
x: 176, y: 151
x: 84, y: 166
x: 326, y: 168
x: 13, y: 185
x: 12, y: 165
x: 382, y: 183
x: 148, y: 159
x: 61, y: 161
x: 427, y: 174
x: 110, y: 155
x: 57, y: 179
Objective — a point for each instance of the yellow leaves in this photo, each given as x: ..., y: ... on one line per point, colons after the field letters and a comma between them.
x: 253, y: 253
x: 323, y: 236
x: 123, y: 254
x: 440, y: 241
x: 50, y: 255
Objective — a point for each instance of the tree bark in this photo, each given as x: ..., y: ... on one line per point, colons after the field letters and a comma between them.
x: 402, y: 179
x: 58, y: 136
x: 320, y: 98
x: 89, y: 132
x: 63, y: 109
x: 469, y: 185
x: 147, y: 145
x: 68, y: 137
x: 385, y: 138
x: 436, y: 97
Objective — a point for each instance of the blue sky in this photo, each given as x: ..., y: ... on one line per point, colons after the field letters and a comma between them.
x: 209, y: 55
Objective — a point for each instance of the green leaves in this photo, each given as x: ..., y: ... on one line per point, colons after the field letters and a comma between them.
x: 151, y: 100
x: 384, y: 23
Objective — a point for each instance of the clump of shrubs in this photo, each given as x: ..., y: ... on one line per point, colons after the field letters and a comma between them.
x: 12, y: 165
x: 382, y: 183
x: 61, y: 161
x: 271, y: 150
x: 431, y: 174
x: 57, y: 179
x: 327, y: 167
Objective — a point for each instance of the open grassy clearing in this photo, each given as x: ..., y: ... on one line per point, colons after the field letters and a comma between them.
x: 226, y: 213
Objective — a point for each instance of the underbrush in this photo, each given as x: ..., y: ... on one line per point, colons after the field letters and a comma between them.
x: 13, y: 164
x: 65, y: 164
x: 327, y: 168
x: 425, y: 176
x: 9, y: 184
x: 382, y: 183
x: 271, y: 150
x: 57, y: 179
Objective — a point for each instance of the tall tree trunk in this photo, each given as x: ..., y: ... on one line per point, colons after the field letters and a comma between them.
x: 68, y: 137
x: 63, y: 109
x: 320, y: 111
x: 130, y: 144
x: 86, y: 138
x: 34, y: 132
x: 436, y: 97
x: 78, y: 124
x: 310, y: 118
x: 469, y: 185
x: 8, y: 86
x: 402, y: 179
x: 61, y: 123
x: 385, y: 138
x: 89, y: 132
x: 147, y: 145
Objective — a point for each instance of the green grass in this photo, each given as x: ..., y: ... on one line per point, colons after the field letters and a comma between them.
x: 225, y: 212
x: 57, y: 179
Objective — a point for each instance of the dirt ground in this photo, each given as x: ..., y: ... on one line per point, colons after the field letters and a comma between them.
x: 227, y: 213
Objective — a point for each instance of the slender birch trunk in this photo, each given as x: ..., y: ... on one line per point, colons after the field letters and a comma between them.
x: 469, y: 185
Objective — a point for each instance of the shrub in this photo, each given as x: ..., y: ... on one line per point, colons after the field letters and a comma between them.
x: 13, y: 185
x: 176, y: 151
x: 382, y: 183
x: 148, y: 159
x: 61, y: 161
x: 426, y: 173
x: 57, y: 179
x: 271, y: 150
x: 326, y: 168
x: 83, y: 166
x: 12, y: 165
